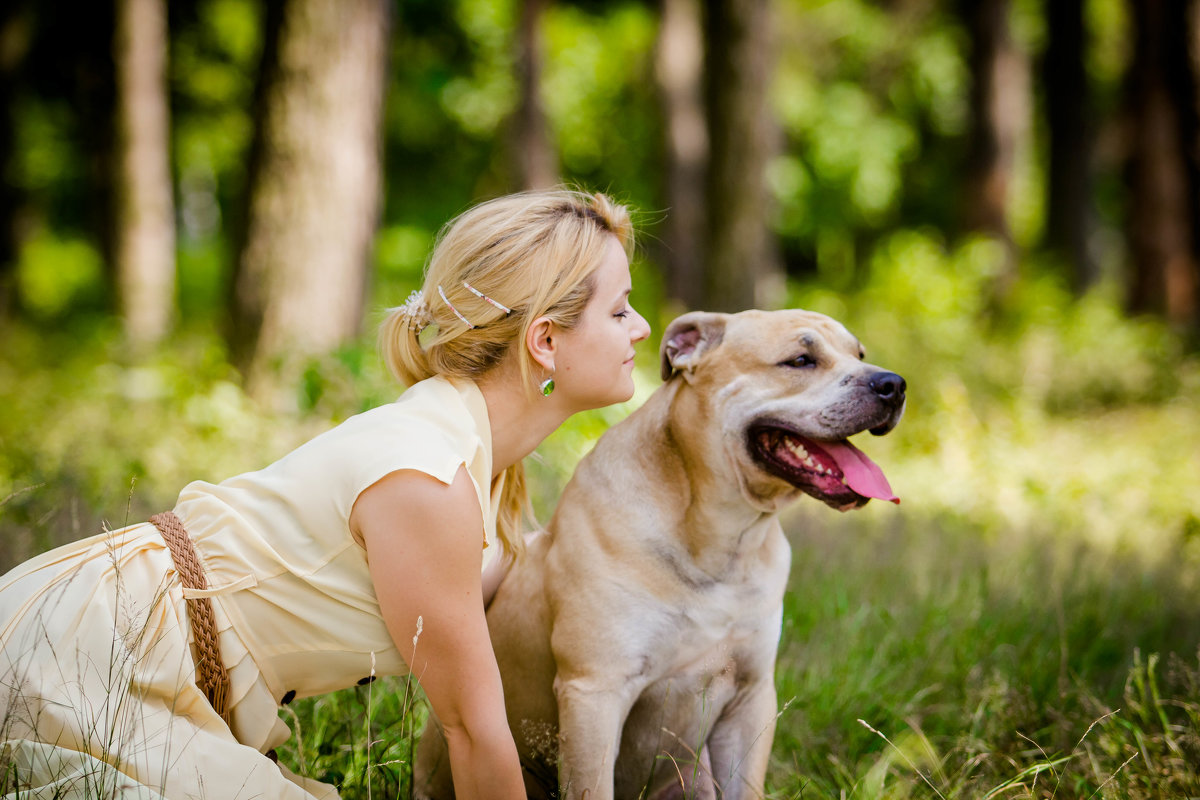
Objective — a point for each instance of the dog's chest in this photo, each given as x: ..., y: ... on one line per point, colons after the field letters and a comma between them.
x: 712, y: 635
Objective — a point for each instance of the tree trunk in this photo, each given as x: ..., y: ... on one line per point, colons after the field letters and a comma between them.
x: 145, y: 210
x: 998, y: 115
x: 1068, y: 213
x: 16, y: 28
x: 1162, y: 168
x: 315, y: 185
x: 743, y: 269
x: 536, y: 163
x: 679, y: 68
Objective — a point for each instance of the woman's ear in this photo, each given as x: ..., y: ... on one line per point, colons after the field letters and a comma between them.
x: 541, y: 340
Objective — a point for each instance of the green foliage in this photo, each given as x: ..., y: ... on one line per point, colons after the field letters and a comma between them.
x: 46, y: 154
x: 1108, y: 56
x: 88, y: 436
x: 212, y: 67
x: 865, y: 95
x: 480, y: 101
x: 400, y: 252
x: 600, y: 104
x: 56, y: 274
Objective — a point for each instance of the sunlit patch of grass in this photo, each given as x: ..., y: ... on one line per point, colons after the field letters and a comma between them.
x: 984, y: 661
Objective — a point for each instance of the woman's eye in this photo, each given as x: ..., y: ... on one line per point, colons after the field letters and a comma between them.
x: 801, y: 361
x: 622, y: 314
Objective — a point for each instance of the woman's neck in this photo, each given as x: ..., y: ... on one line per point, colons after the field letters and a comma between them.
x: 520, y: 418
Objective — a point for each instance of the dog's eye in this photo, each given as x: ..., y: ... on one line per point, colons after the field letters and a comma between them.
x: 802, y: 361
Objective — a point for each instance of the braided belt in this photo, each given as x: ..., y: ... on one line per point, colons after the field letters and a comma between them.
x: 211, y: 676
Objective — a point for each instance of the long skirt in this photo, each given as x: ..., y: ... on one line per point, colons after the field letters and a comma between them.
x: 97, y: 685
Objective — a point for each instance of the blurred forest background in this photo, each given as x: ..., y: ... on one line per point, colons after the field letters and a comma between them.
x: 206, y: 204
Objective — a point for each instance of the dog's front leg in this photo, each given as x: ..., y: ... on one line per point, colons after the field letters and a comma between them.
x: 590, y: 721
x: 740, y: 743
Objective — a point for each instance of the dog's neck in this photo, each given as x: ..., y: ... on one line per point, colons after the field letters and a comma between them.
x: 724, y: 529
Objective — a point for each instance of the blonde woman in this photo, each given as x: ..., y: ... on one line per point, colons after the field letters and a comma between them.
x: 150, y: 661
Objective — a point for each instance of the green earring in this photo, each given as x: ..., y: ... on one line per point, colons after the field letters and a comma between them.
x: 547, y: 386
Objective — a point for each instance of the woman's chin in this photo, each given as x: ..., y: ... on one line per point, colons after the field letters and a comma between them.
x: 628, y: 390
x: 620, y: 394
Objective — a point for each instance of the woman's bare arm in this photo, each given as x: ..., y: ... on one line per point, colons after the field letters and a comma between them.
x: 424, y: 544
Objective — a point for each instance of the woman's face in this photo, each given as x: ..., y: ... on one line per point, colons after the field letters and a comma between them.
x: 594, y: 363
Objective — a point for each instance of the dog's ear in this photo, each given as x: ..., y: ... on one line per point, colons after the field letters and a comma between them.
x: 688, y: 338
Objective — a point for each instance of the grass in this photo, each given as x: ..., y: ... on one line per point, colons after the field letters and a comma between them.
x: 926, y: 660
x: 360, y: 739
x: 1019, y: 666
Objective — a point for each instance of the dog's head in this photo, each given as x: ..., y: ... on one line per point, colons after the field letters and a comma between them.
x: 784, y: 390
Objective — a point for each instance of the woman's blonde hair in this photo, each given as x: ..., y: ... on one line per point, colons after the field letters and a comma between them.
x: 534, y: 253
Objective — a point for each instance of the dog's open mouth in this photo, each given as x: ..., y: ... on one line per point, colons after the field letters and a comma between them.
x: 837, y: 473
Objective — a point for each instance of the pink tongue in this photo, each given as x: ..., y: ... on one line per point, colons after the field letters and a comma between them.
x: 861, y: 473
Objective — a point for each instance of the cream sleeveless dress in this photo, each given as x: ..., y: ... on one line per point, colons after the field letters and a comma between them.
x: 97, y: 688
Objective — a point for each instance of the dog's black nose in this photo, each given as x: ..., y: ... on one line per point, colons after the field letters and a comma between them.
x: 888, y: 386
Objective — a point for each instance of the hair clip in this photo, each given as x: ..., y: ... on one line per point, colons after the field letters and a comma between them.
x: 414, y: 310
x: 446, y: 300
x: 486, y: 299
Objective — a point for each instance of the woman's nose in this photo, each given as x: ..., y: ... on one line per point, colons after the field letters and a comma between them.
x: 642, y: 330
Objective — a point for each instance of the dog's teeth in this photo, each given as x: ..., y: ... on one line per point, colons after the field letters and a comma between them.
x: 806, y: 458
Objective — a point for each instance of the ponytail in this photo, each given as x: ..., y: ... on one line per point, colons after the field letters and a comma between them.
x: 400, y: 349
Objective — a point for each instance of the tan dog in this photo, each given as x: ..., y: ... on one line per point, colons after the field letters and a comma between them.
x: 637, y: 639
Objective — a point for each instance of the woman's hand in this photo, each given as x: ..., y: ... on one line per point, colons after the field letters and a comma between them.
x: 424, y: 543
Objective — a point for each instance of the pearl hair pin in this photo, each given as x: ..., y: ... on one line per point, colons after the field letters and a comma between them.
x: 485, y: 298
